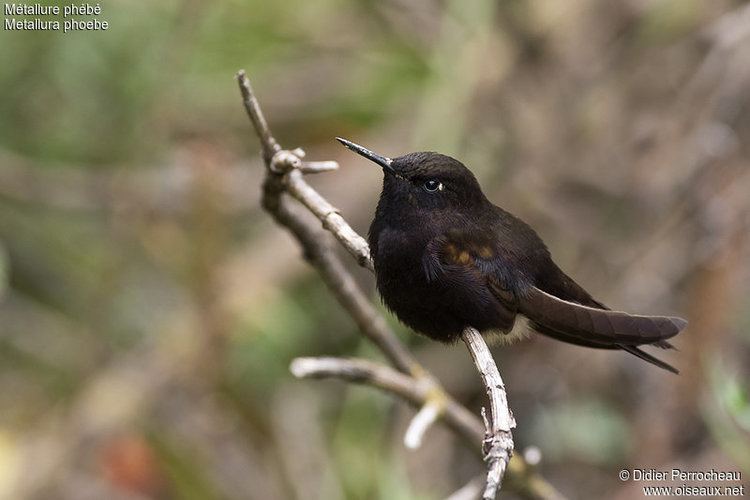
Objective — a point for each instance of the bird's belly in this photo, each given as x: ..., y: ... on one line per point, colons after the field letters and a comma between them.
x: 441, y: 308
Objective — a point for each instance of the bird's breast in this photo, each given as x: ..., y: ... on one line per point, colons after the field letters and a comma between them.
x: 437, y: 306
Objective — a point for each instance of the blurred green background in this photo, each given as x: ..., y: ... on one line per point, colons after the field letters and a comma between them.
x: 149, y: 309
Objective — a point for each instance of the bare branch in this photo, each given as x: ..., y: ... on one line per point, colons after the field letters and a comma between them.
x: 317, y: 245
x: 417, y: 392
x: 330, y: 217
x: 361, y: 371
x: 498, y: 440
x: 319, y: 252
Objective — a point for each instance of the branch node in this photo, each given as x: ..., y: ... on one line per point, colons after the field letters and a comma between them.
x: 283, y: 161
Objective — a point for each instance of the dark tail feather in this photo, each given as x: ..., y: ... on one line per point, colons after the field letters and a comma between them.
x: 651, y: 359
x: 599, y: 328
x: 663, y: 344
x: 597, y: 325
x: 629, y: 348
x: 570, y: 339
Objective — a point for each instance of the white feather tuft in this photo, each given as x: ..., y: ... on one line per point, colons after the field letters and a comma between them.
x: 520, y: 331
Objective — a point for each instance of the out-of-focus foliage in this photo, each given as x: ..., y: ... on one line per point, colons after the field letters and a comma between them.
x: 727, y: 413
x: 149, y: 309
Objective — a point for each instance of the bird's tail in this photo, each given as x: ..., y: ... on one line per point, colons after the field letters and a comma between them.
x: 600, y: 328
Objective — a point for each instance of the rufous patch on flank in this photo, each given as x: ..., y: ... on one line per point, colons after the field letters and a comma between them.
x: 486, y: 252
x: 463, y: 257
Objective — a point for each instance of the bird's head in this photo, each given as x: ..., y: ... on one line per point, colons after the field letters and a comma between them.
x: 425, y: 180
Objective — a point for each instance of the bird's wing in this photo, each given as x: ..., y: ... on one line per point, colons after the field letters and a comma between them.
x: 470, y: 263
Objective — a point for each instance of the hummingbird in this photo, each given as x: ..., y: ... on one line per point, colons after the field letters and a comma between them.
x: 447, y: 258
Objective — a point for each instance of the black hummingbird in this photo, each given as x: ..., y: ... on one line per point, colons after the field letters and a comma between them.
x: 447, y: 258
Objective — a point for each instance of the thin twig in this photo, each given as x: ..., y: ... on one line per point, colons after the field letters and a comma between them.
x: 423, y: 420
x: 267, y: 142
x: 317, y: 246
x: 330, y: 217
x: 498, y: 439
x: 361, y: 371
x: 317, y: 167
x: 320, y: 253
x: 414, y: 391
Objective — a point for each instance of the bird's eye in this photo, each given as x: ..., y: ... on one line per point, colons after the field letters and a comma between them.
x: 433, y: 185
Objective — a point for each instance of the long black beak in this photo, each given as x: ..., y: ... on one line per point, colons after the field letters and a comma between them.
x: 374, y: 157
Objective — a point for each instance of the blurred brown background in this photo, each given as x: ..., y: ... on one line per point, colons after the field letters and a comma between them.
x: 149, y: 309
